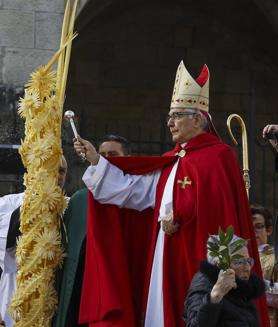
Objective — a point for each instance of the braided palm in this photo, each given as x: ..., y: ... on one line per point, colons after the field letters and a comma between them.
x: 39, y: 249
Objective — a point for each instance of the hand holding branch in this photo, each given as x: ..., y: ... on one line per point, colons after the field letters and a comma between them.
x: 225, y: 282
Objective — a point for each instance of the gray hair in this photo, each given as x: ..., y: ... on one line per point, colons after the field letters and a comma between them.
x: 205, y: 123
x: 214, y: 260
x: 204, y: 120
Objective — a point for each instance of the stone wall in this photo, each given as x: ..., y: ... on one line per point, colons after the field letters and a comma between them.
x: 29, y: 35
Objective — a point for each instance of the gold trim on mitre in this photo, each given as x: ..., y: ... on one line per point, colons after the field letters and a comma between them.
x: 190, y: 93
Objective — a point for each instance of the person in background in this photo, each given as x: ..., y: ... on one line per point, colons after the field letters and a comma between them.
x: 9, y: 231
x: 262, y: 222
x: 112, y: 145
x: 219, y: 298
x: 69, y: 280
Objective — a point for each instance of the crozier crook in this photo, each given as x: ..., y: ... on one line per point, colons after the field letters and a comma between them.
x: 246, y: 177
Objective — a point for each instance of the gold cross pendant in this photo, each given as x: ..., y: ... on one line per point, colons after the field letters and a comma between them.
x: 184, y: 182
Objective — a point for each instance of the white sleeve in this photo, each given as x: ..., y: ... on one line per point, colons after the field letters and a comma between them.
x: 8, y: 204
x: 111, y: 186
x: 4, y: 228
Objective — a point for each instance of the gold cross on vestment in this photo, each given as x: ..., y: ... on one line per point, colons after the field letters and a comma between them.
x: 184, y: 182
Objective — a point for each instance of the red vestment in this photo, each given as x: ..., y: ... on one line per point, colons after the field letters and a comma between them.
x: 214, y: 196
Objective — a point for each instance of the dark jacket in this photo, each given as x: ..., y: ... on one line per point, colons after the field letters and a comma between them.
x: 236, y: 308
x: 13, y: 232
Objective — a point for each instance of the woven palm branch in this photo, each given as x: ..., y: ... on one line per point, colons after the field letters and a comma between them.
x: 39, y: 249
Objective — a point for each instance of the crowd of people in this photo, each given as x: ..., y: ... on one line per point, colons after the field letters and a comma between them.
x: 137, y: 237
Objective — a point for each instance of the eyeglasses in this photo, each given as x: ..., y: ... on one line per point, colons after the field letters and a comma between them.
x: 259, y: 227
x: 243, y: 262
x: 178, y: 115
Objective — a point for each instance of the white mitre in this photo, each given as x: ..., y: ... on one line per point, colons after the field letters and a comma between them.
x: 191, y: 93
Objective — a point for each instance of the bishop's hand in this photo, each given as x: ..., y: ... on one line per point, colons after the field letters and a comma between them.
x: 84, y: 146
x: 168, y: 225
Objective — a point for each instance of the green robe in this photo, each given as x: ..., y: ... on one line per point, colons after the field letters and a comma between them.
x: 75, y: 220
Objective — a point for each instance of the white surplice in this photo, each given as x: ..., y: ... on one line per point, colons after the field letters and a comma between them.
x: 110, y: 185
x: 8, y: 204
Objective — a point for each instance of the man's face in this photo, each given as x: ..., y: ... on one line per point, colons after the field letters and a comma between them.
x: 111, y: 149
x: 185, y: 127
x: 261, y: 231
x: 62, y: 173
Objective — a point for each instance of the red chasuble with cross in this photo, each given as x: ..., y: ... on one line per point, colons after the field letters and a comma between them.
x: 208, y: 192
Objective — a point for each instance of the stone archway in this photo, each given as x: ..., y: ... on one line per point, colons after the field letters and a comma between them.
x: 124, y: 61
